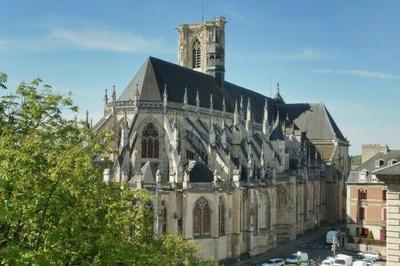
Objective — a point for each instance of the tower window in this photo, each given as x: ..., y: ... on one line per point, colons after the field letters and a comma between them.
x: 196, y: 59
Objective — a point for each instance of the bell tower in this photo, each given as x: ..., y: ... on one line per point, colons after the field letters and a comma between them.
x: 196, y: 41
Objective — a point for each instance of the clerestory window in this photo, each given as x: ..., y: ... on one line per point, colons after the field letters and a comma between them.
x: 150, y: 141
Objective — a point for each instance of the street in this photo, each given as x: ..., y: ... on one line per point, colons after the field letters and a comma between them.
x: 312, y: 243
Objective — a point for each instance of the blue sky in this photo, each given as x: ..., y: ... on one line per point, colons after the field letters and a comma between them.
x: 342, y: 53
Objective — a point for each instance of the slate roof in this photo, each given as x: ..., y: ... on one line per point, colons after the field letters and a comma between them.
x: 313, y: 118
x: 155, y: 73
x: 199, y: 172
x: 392, y: 170
x: 370, y: 163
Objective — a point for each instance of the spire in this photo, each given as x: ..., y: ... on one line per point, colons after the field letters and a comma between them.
x: 211, y: 102
x: 249, y: 125
x: 175, y: 134
x: 197, y: 101
x: 165, y: 94
x: 278, y: 96
x: 236, y: 115
x: 250, y: 163
x: 277, y: 120
x: 241, y: 111
x: 262, y: 162
x: 105, y: 97
x: 248, y: 115
x: 266, y: 118
x: 185, y: 97
x: 114, y: 95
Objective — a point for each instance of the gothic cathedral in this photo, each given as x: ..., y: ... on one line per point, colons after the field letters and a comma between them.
x: 231, y: 170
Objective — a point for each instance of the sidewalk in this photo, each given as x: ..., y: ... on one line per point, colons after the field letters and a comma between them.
x: 283, y: 249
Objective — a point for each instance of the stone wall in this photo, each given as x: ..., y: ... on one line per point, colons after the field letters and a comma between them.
x: 393, y: 228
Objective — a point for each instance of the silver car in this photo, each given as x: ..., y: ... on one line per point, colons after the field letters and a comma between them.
x: 274, y: 262
x: 372, y: 255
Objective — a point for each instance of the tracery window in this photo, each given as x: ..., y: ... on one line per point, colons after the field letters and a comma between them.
x: 201, y: 218
x: 196, y: 59
x: 150, y: 141
x: 221, y: 228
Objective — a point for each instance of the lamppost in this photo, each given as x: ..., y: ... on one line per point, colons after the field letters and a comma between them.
x: 334, y: 243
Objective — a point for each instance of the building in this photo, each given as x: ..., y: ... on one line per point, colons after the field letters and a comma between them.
x: 366, y: 197
x: 233, y: 171
x: 390, y: 175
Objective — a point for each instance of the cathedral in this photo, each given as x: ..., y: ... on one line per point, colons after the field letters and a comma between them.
x: 231, y: 170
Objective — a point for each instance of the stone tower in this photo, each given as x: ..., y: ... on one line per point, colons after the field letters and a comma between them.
x: 197, y: 40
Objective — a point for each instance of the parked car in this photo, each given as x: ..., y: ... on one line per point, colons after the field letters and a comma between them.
x: 309, y: 263
x: 341, y: 259
x: 370, y: 255
x: 297, y: 258
x: 365, y: 263
x: 329, y: 261
x: 274, y: 262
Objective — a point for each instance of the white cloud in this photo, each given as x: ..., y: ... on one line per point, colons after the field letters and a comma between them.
x: 306, y: 54
x: 107, y: 40
x: 358, y: 73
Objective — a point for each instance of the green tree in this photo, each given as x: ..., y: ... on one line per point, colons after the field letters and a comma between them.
x: 54, y: 206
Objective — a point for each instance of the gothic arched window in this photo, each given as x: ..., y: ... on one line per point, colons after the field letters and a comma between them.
x: 150, y: 142
x: 221, y: 228
x: 196, y: 58
x: 201, y: 218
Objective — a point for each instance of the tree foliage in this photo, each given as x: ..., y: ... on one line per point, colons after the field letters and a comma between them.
x: 54, y: 207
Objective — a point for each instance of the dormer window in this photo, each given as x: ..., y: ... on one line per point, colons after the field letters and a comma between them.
x: 363, y: 175
x: 391, y: 162
x: 379, y: 163
x: 374, y: 178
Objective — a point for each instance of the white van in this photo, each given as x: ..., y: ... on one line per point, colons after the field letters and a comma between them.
x: 331, y: 235
x: 297, y: 258
x: 341, y: 259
